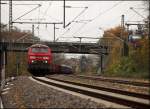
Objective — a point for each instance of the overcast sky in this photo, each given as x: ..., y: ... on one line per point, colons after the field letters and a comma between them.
x: 102, y: 14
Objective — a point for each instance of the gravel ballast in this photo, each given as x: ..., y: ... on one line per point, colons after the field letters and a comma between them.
x: 28, y: 94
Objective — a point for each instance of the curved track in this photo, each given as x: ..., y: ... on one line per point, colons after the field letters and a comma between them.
x: 144, y: 96
x: 122, y: 98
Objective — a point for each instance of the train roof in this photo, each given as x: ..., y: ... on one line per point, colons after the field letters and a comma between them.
x: 39, y: 45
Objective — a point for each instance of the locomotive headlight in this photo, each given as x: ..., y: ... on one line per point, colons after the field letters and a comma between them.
x: 45, y: 61
x: 32, y: 61
x: 45, y: 58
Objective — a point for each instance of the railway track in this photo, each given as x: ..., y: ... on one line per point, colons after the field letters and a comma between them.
x: 134, y: 83
x: 133, y: 100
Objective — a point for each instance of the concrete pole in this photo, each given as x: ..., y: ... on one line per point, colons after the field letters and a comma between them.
x: 0, y: 45
x: 122, y: 31
x: 54, y: 32
x: 100, y: 64
x: 3, y: 70
x: 2, y: 57
x: 64, y: 15
x: 149, y: 21
x: 80, y: 44
x: 10, y: 15
x: 122, y: 26
x: 33, y: 29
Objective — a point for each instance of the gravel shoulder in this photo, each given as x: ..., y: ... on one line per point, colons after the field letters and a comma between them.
x: 126, y: 87
x: 24, y: 93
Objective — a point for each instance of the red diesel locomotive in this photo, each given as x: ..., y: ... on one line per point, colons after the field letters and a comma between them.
x: 39, y: 57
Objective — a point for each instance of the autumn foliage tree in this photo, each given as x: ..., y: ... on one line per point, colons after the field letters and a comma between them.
x: 113, y: 37
x: 133, y: 65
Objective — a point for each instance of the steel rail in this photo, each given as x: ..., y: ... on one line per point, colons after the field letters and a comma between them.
x: 110, y: 98
x: 139, y: 95
x: 135, y: 83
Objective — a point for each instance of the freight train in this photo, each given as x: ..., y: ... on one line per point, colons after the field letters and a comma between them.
x: 135, y: 40
x: 61, y: 69
x: 40, y: 59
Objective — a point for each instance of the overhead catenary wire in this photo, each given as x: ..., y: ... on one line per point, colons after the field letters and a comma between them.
x: 39, y: 4
x: 51, y: 17
x: 24, y: 14
x: 27, y: 12
x: 45, y: 12
x: 70, y: 28
x: 38, y: 16
x: 25, y: 4
x: 50, y: 4
x: 131, y: 17
x: 85, y: 8
x: 107, y: 10
x: 66, y: 31
x: 137, y: 12
x: 79, y: 29
x: 75, y: 19
x: 118, y: 17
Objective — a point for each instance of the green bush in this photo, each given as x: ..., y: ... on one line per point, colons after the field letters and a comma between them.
x: 126, y: 67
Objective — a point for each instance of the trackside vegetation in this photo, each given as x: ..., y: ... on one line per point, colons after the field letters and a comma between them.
x: 135, y: 64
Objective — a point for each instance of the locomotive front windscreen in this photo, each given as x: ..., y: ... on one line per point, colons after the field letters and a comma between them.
x: 39, y: 50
